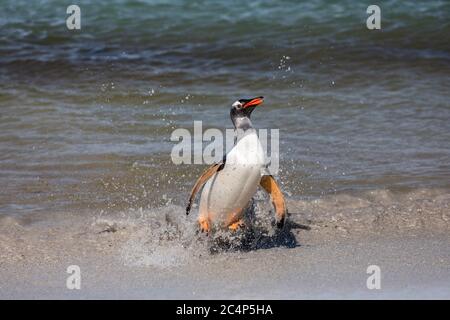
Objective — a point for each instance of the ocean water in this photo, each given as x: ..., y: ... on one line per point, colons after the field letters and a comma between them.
x: 86, y: 116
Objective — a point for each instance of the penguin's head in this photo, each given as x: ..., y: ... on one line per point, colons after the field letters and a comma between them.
x: 243, y: 108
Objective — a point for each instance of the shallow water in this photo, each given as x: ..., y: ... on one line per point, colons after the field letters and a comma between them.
x: 86, y: 116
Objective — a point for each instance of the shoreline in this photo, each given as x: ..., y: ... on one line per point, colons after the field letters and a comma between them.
x: 411, y: 268
x: 323, y: 253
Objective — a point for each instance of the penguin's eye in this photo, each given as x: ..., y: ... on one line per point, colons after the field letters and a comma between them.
x: 237, y: 105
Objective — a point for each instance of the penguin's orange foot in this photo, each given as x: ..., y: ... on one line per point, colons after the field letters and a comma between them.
x: 235, y: 226
x: 204, y: 225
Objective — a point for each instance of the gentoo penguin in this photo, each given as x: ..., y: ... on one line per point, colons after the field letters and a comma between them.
x: 230, y: 185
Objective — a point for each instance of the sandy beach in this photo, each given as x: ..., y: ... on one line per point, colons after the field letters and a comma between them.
x: 159, y: 256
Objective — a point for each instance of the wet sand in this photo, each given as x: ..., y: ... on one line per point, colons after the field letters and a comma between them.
x: 157, y: 255
x: 411, y: 268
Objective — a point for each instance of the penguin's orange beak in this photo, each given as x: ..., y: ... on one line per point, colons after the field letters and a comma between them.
x: 254, y: 102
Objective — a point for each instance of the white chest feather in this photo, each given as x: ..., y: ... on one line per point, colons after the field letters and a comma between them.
x: 230, y: 190
x: 247, y: 152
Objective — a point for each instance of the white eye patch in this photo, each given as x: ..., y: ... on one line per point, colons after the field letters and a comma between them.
x: 236, y: 104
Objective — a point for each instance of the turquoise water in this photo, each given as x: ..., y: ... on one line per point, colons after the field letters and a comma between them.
x: 86, y: 116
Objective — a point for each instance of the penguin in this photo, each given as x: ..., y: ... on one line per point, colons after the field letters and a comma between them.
x: 229, y: 186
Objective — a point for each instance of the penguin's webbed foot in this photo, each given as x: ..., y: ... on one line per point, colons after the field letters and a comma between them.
x: 204, y: 225
x: 236, y: 225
